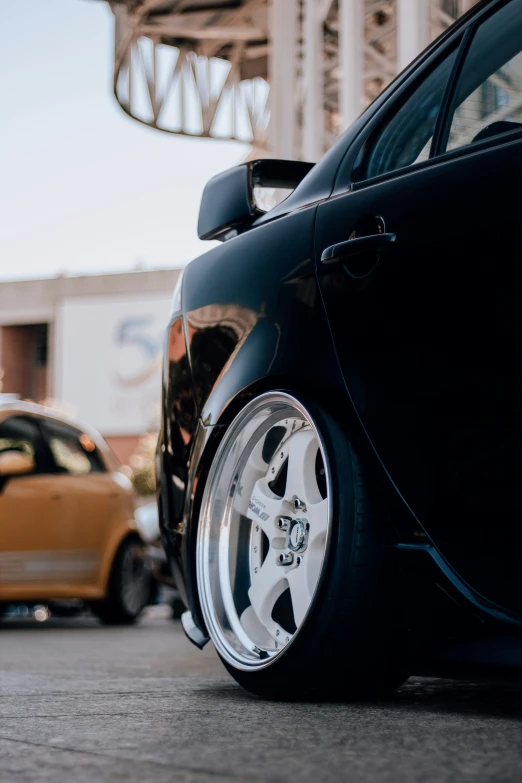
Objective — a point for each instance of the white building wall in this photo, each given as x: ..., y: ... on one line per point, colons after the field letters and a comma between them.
x: 105, y: 342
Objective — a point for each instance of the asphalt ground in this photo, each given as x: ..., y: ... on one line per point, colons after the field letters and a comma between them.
x: 79, y: 702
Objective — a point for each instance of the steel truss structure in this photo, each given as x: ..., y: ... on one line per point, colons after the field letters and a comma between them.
x: 285, y: 75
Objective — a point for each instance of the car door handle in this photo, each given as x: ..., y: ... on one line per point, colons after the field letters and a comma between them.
x: 354, y: 247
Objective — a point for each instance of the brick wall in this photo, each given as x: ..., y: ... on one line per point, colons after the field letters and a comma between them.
x: 123, y: 446
x: 21, y: 374
x: 16, y: 360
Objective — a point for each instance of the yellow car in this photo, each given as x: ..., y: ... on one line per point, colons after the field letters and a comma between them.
x: 67, y: 525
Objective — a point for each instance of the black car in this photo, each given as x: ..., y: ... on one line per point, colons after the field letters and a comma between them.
x: 339, y: 467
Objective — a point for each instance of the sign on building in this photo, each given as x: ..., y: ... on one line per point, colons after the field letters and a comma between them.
x: 108, y: 355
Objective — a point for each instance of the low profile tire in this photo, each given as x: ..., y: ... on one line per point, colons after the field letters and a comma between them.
x: 130, y: 586
x: 290, y: 559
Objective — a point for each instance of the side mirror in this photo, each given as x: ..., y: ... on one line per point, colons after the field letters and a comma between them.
x: 229, y: 205
x: 16, y: 463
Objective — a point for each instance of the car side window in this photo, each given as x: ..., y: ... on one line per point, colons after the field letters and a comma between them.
x: 404, y: 136
x: 73, y: 451
x: 19, y: 433
x: 488, y: 97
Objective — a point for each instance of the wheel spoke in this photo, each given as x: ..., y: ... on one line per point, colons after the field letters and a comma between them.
x: 254, y: 469
x: 299, y: 592
x: 317, y: 516
x: 267, y: 586
x: 264, y: 507
x: 301, y: 479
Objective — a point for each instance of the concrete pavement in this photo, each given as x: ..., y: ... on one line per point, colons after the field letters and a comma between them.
x: 79, y: 702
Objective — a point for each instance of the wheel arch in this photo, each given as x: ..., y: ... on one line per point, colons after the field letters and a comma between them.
x: 210, y: 438
x: 116, y: 541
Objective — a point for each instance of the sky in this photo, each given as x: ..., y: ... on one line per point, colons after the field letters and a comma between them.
x: 84, y: 188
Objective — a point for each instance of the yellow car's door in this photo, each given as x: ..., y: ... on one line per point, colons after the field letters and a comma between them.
x: 96, y: 507
x: 34, y: 559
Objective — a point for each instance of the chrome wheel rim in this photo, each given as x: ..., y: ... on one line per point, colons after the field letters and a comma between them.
x: 263, y: 531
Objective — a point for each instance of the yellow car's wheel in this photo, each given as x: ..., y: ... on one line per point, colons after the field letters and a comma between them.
x: 130, y: 586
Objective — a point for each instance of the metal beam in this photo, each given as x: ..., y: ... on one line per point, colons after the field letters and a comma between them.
x: 351, y: 43
x: 282, y: 75
x: 313, y: 114
x: 412, y: 30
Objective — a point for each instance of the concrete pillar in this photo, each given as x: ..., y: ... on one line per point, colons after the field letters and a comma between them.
x: 283, y: 138
x: 351, y: 43
x: 412, y: 30
x: 313, y: 111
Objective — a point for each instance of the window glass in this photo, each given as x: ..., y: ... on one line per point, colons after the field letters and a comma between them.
x: 73, y: 451
x: 488, y: 99
x: 8, y: 443
x: 405, y: 135
x: 18, y: 433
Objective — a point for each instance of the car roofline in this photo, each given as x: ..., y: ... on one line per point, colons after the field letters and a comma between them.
x: 35, y: 409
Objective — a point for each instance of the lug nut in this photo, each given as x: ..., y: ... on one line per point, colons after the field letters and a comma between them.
x: 299, y: 505
x: 283, y: 522
x: 299, y: 560
x: 284, y: 559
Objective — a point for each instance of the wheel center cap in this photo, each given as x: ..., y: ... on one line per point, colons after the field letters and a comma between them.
x: 297, y: 535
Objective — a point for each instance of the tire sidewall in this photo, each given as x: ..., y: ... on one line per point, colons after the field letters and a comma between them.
x: 113, y: 609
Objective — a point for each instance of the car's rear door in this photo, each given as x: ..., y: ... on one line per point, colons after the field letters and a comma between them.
x: 425, y: 309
